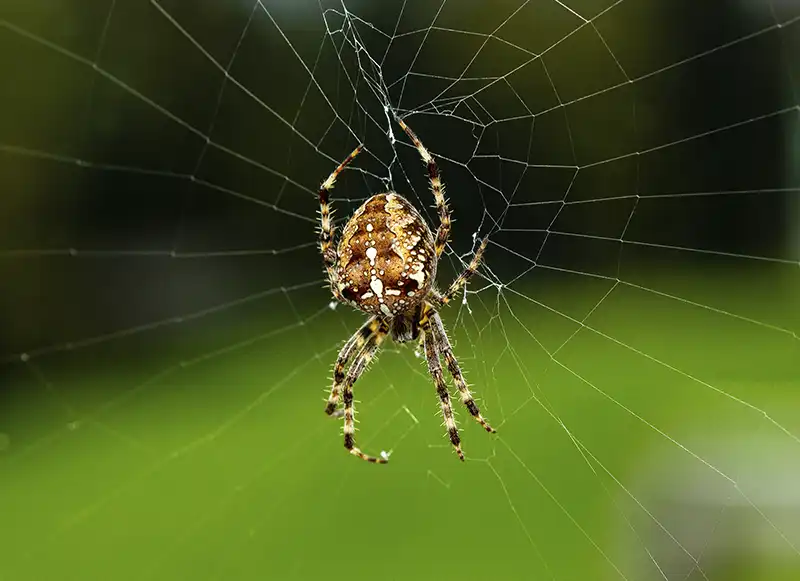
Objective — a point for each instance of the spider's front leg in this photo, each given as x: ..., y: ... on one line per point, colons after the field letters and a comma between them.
x: 364, y: 356
x: 446, y: 349
x: 354, y: 344
x: 435, y: 369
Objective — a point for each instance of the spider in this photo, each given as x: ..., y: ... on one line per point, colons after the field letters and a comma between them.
x: 385, y: 266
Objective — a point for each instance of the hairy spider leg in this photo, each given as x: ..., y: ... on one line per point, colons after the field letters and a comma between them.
x: 437, y: 187
x: 446, y: 349
x: 327, y: 229
x: 354, y: 344
x: 463, y: 278
x: 435, y: 369
x: 360, y: 363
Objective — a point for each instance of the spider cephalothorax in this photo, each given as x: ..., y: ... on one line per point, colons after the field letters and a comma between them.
x: 385, y: 265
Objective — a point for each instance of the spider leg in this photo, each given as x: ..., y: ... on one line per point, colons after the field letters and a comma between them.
x: 354, y: 344
x: 446, y: 350
x: 437, y: 187
x: 463, y: 278
x: 327, y: 230
x: 435, y: 369
x: 364, y: 356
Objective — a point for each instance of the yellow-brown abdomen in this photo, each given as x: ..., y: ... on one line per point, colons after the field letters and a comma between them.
x: 387, y: 263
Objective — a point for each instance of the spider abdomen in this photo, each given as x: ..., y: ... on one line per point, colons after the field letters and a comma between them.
x: 387, y: 262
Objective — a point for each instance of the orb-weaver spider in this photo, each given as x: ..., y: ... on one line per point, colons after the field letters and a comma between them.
x: 385, y: 266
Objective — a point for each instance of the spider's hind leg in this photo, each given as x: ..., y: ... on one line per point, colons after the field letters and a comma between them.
x: 437, y: 188
x: 326, y: 229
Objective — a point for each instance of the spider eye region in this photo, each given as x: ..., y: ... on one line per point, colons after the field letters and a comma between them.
x: 387, y: 263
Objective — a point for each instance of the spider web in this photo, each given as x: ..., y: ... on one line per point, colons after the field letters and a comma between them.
x: 632, y: 334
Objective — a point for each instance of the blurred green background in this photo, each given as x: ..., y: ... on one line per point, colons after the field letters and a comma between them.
x: 166, y: 340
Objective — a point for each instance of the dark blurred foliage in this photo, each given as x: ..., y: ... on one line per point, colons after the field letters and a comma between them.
x: 187, y: 196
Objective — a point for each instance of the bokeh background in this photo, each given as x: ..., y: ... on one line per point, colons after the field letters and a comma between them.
x: 166, y: 337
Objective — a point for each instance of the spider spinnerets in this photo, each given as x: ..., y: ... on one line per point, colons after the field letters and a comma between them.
x: 385, y: 265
